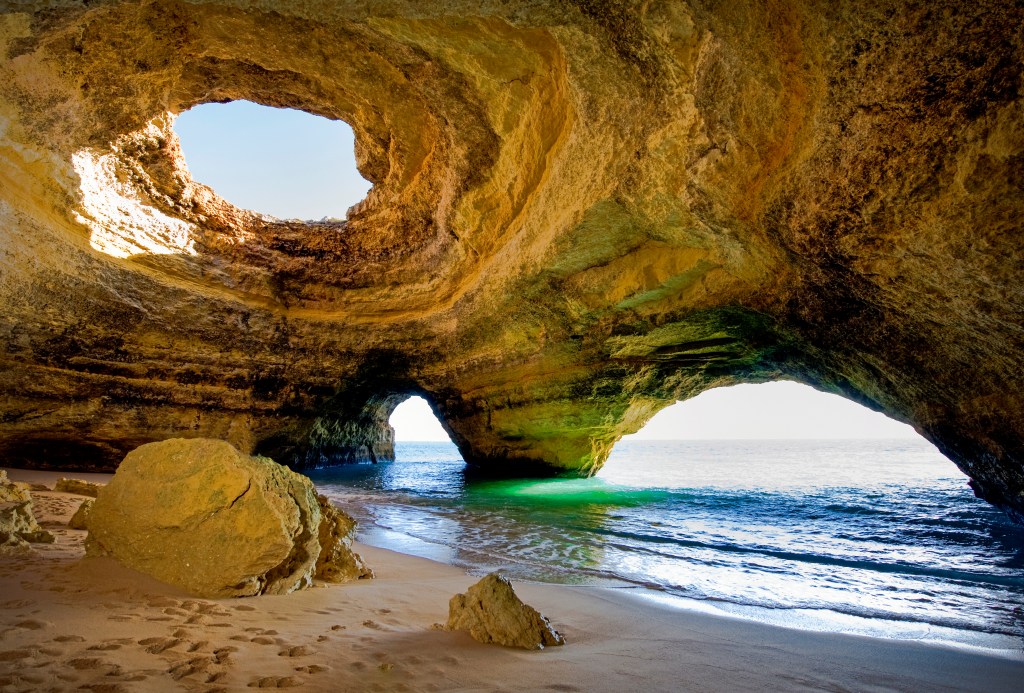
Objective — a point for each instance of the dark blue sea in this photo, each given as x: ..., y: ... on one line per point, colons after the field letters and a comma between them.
x: 880, y: 538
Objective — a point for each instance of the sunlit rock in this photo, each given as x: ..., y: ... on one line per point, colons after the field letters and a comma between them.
x: 581, y: 213
x: 18, y: 525
x: 492, y: 613
x: 80, y: 520
x: 203, y: 516
x: 337, y: 562
x: 78, y: 487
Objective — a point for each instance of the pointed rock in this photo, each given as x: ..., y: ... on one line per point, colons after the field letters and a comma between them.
x: 80, y: 520
x: 492, y: 613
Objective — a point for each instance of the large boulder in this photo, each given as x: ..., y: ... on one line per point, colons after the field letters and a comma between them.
x: 492, y: 613
x: 201, y: 515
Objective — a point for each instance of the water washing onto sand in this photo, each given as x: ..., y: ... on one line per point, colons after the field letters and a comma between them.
x: 880, y: 538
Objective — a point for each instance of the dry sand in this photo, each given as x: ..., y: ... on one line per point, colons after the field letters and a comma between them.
x: 68, y: 623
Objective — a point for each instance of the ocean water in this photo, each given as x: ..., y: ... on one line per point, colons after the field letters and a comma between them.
x: 880, y: 538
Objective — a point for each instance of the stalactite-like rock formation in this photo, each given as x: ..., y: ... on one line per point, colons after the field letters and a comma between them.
x: 582, y: 211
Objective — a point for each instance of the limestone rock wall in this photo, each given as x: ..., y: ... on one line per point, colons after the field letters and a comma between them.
x: 582, y: 211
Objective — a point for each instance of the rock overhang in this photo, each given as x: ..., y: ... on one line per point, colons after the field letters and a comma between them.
x: 581, y: 212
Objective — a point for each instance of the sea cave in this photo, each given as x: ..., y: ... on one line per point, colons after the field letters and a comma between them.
x: 577, y: 213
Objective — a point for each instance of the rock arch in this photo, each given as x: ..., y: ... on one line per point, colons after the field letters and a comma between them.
x: 581, y: 212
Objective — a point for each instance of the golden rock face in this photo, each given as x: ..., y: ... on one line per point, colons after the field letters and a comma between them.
x: 199, y: 514
x: 581, y: 212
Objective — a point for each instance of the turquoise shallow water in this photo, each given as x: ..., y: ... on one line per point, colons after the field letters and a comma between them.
x: 880, y: 538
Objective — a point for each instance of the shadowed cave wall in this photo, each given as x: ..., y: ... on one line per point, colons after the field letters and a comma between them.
x: 582, y: 211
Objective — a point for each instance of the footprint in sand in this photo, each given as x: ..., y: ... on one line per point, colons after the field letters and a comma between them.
x: 35, y: 679
x: 262, y: 640
x: 163, y: 603
x: 189, y: 667
x: 15, y: 604
x: 158, y: 645
x: 123, y: 617
x: 222, y: 655
x: 85, y: 663
x: 14, y: 655
x: 277, y: 682
x: 297, y: 651
x: 69, y: 638
x: 369, y: 623
x: 32, y: 624
x: 311, y: 669
x: 102, y: 687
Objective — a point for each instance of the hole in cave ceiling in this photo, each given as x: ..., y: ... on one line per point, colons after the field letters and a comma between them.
x: 277, y: 161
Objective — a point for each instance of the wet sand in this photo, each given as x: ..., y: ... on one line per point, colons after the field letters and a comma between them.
x: 68, y: 623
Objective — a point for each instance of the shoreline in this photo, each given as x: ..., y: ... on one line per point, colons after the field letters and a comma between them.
x: 806, y: 619
x: 67, y: 623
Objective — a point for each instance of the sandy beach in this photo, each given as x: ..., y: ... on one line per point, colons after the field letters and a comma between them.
x: 68, y: 623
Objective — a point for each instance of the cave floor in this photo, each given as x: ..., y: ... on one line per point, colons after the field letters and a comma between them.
x: 67, y: 622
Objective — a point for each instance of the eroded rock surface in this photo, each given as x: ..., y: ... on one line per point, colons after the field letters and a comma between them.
x: 581, y: 212
x: 201, y: 515
x: 492, y: 613
x: 78, y: 487
x: 18, y: 524
x: 337, y: 561
x: 80, y: 520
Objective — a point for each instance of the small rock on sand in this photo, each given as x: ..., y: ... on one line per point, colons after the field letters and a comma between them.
x: 80, y: 519
x: 492, y: 613
x: 78, y: 487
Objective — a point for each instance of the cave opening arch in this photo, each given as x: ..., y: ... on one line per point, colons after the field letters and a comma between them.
x: 784, y: 421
